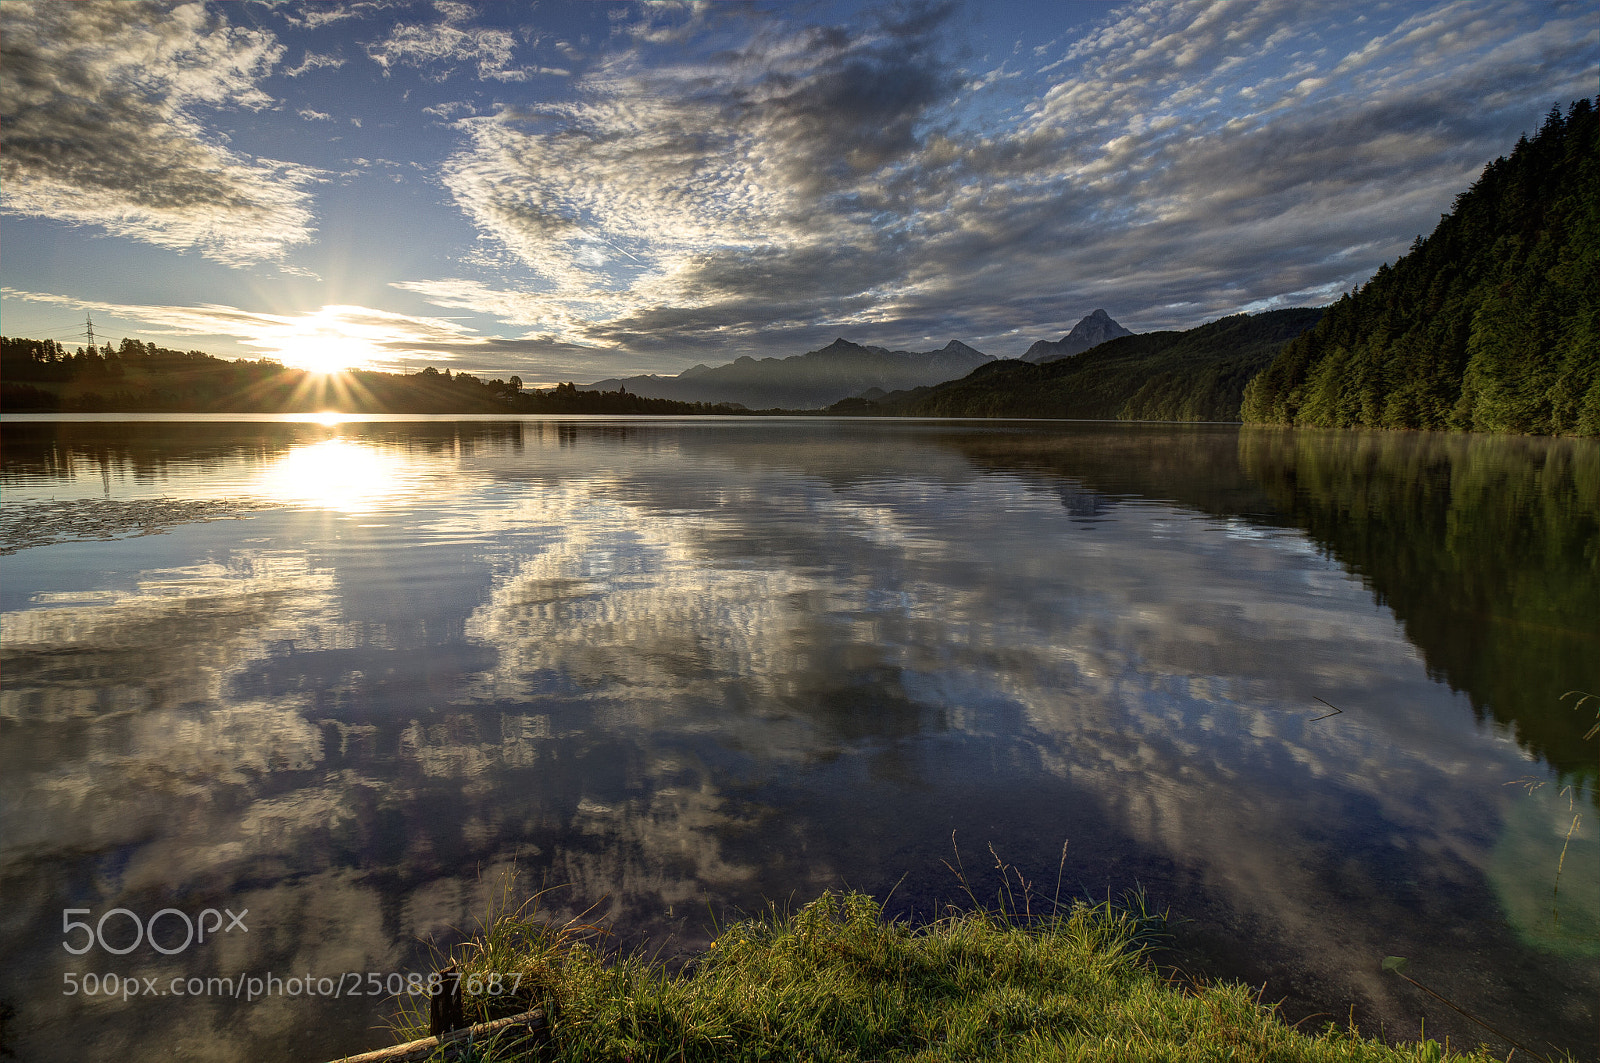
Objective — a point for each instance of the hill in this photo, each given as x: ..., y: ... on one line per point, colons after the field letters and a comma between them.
x: 1092, y: 331
x: 806, y: 381
x: 1196, y: 375
x: 43, y: 377
x: 1491, y: 324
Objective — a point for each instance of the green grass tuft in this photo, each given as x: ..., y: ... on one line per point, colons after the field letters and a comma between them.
x: 836, y: 981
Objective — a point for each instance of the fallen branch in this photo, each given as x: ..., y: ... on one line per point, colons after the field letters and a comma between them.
x: 457, y: 1043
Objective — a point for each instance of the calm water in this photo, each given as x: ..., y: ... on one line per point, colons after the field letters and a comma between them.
x: 684, y: 667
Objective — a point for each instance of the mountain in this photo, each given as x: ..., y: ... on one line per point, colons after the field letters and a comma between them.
x: 805, y: 381
x: 1092, y: 331
x: 1197, y: 375
x: 1491, y: 324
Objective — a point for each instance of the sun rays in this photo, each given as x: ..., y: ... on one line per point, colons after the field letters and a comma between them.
x: 331, y: 391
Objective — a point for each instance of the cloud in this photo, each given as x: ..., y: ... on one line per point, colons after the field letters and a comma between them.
x: 448, y: 43
x: 1311, y: 182
x: 725, y: 179
x: 450, y: 109
x: 319, y: 14
x: 731, y: 179
x: 710, y: 179
x: 101, y: 108
x: 313, y: 61
x: 548, y: 347
x: 521, y: 308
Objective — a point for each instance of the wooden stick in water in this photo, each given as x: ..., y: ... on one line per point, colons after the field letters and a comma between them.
x: 455, y: 1044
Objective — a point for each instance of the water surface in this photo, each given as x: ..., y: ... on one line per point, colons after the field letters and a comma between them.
x: 687, y: 667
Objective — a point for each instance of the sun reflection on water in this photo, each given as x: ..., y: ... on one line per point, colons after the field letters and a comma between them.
x: 337, y: 474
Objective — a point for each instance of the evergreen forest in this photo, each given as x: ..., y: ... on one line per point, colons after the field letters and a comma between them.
x: 1491, y: 324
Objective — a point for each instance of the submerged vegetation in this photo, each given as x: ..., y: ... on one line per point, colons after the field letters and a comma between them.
x: 835, y: 980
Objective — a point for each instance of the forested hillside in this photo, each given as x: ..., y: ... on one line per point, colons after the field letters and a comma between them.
x: 1198, y: 375
x: 1491, y: 324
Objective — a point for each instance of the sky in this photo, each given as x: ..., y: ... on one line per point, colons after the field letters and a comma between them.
x: 578, y: 190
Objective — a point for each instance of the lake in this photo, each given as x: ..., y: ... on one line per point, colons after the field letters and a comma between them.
x: 332, y: 683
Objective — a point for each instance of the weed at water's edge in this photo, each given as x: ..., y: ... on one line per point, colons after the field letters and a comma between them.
x: 1021, y: 980
x: 512, y: 963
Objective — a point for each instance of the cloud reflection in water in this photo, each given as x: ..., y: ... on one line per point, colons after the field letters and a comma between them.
x: 676, y: 665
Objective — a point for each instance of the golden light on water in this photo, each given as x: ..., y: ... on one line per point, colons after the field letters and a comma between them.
x: 336, y: 474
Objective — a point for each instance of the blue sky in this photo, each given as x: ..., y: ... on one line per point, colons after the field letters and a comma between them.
x: 577, y: 190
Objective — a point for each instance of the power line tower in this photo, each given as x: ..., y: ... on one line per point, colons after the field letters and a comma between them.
x: 88, y: 324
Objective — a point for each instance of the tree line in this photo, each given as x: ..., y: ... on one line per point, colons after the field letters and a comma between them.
x: 138, y: 377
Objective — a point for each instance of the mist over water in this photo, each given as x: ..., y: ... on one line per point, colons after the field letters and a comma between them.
x: 684, y: 668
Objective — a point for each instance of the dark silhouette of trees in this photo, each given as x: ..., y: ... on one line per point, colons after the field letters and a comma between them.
x: 40, y: 375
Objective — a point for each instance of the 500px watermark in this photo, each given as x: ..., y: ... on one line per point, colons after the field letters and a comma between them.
x: 257, y: 986
x: 194, y: 931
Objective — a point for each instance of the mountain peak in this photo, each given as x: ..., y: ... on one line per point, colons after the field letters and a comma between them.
x: 1096, y: 328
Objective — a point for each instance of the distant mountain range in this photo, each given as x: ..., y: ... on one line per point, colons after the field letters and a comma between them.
x: 843, y: 369
x: 1196, y: 375
x: 805, y: 381
x: 1092, y: 331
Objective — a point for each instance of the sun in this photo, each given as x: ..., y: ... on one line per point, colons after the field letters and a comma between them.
x: 325, y: 354
x: 327, y: 341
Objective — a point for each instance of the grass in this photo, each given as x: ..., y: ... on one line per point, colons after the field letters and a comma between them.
x: 836, y: 981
